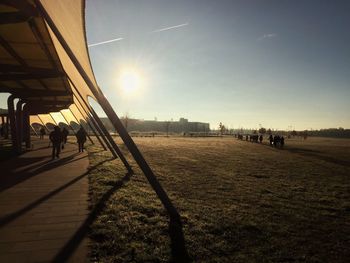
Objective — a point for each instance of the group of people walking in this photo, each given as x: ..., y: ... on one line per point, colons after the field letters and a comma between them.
x: 58, y: 138
x: 252, y: 138
x: 276, y: 140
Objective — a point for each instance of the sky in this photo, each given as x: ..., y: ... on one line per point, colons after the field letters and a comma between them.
x: 282, y: 64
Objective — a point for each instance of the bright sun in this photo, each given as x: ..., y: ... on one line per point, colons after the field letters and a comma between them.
x: 130, y: 80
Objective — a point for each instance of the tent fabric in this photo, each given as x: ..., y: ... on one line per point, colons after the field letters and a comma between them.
x: 29, y: 65
x: 34, y: 66
x: 75, y: 80
x: 69, y: 18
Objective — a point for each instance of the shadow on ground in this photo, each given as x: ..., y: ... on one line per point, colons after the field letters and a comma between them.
x: 13, y: 173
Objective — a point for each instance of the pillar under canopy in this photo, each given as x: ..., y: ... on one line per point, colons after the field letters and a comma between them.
x: 19, y: 125
x: 26, y: 125
x: 12, y: 118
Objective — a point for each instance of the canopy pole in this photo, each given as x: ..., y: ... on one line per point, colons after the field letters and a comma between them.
x: 7, y: 127
x: 19, y: 125
x: 98, y: 128
x: 53, y: 119
x: 92, y: 128
x: 70, y: 126
x: 175, y: 220
x: 104, y: 130
x: 101, y: 126
x: 12, y: 118
x: 113, y: 118
x: 80, y: 126
x: 43, y: 124
x: 34, y: 130
x: 26, y: 126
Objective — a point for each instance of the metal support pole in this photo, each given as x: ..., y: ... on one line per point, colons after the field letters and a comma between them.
x: 34, y: 130
x: 53, y: 119
x: 114, y: 145
x: 138, y: 157
x: 93, y: 130
x: 70, y: 126
x: 105, y: 132
x: 12, y: 118
x: 175, y: 220
x: 19, y: 125
x: 26, y: 126
x: 98, y: 128
x: 114, y: 119
x: 7, y: 127
x: 43, y: 124
x: 92, y: 142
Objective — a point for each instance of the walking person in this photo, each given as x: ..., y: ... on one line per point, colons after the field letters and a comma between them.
x: 271, y: 139
x: 64, y: 136
x: 81, y: 138
x: 260, y: 138
x: 42, y: 133
x: 56, y: 139
x: 282, y: 142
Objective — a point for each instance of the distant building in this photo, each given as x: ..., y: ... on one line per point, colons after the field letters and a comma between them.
x: 181, y: 126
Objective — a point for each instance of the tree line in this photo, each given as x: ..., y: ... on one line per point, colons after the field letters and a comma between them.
x: 330, y: 132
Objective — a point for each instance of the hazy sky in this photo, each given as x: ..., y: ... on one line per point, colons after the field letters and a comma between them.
x: 244, y: 63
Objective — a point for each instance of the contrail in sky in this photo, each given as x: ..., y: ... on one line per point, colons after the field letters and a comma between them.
x: 267, y: 36
x: 105, y: 42
x: 168, y: 28
x: 121, y: 38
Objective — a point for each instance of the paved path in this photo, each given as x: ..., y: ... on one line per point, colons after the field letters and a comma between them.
x: 44, y: 206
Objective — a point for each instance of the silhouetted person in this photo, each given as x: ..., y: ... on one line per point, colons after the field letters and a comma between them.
x: 64, y: 136
x: 276, y: 140
x: 81, y: 137
x: 282, y: 142
x: 5, y: 131
x: 255, y: 138
x: 2, y: 130
x: 42, y: 133
x: 271, y: 139
x: 260, y: 138
x: 56, y: 139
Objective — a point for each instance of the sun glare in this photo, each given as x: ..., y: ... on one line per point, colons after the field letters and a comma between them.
x: 130, y: 81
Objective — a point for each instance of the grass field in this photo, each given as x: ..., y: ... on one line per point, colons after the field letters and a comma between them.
x: 239, y: 201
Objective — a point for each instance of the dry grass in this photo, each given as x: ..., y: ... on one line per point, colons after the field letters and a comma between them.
x: 239, y: 201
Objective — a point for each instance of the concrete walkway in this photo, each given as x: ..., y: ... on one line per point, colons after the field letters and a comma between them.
x: 44, y: 206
